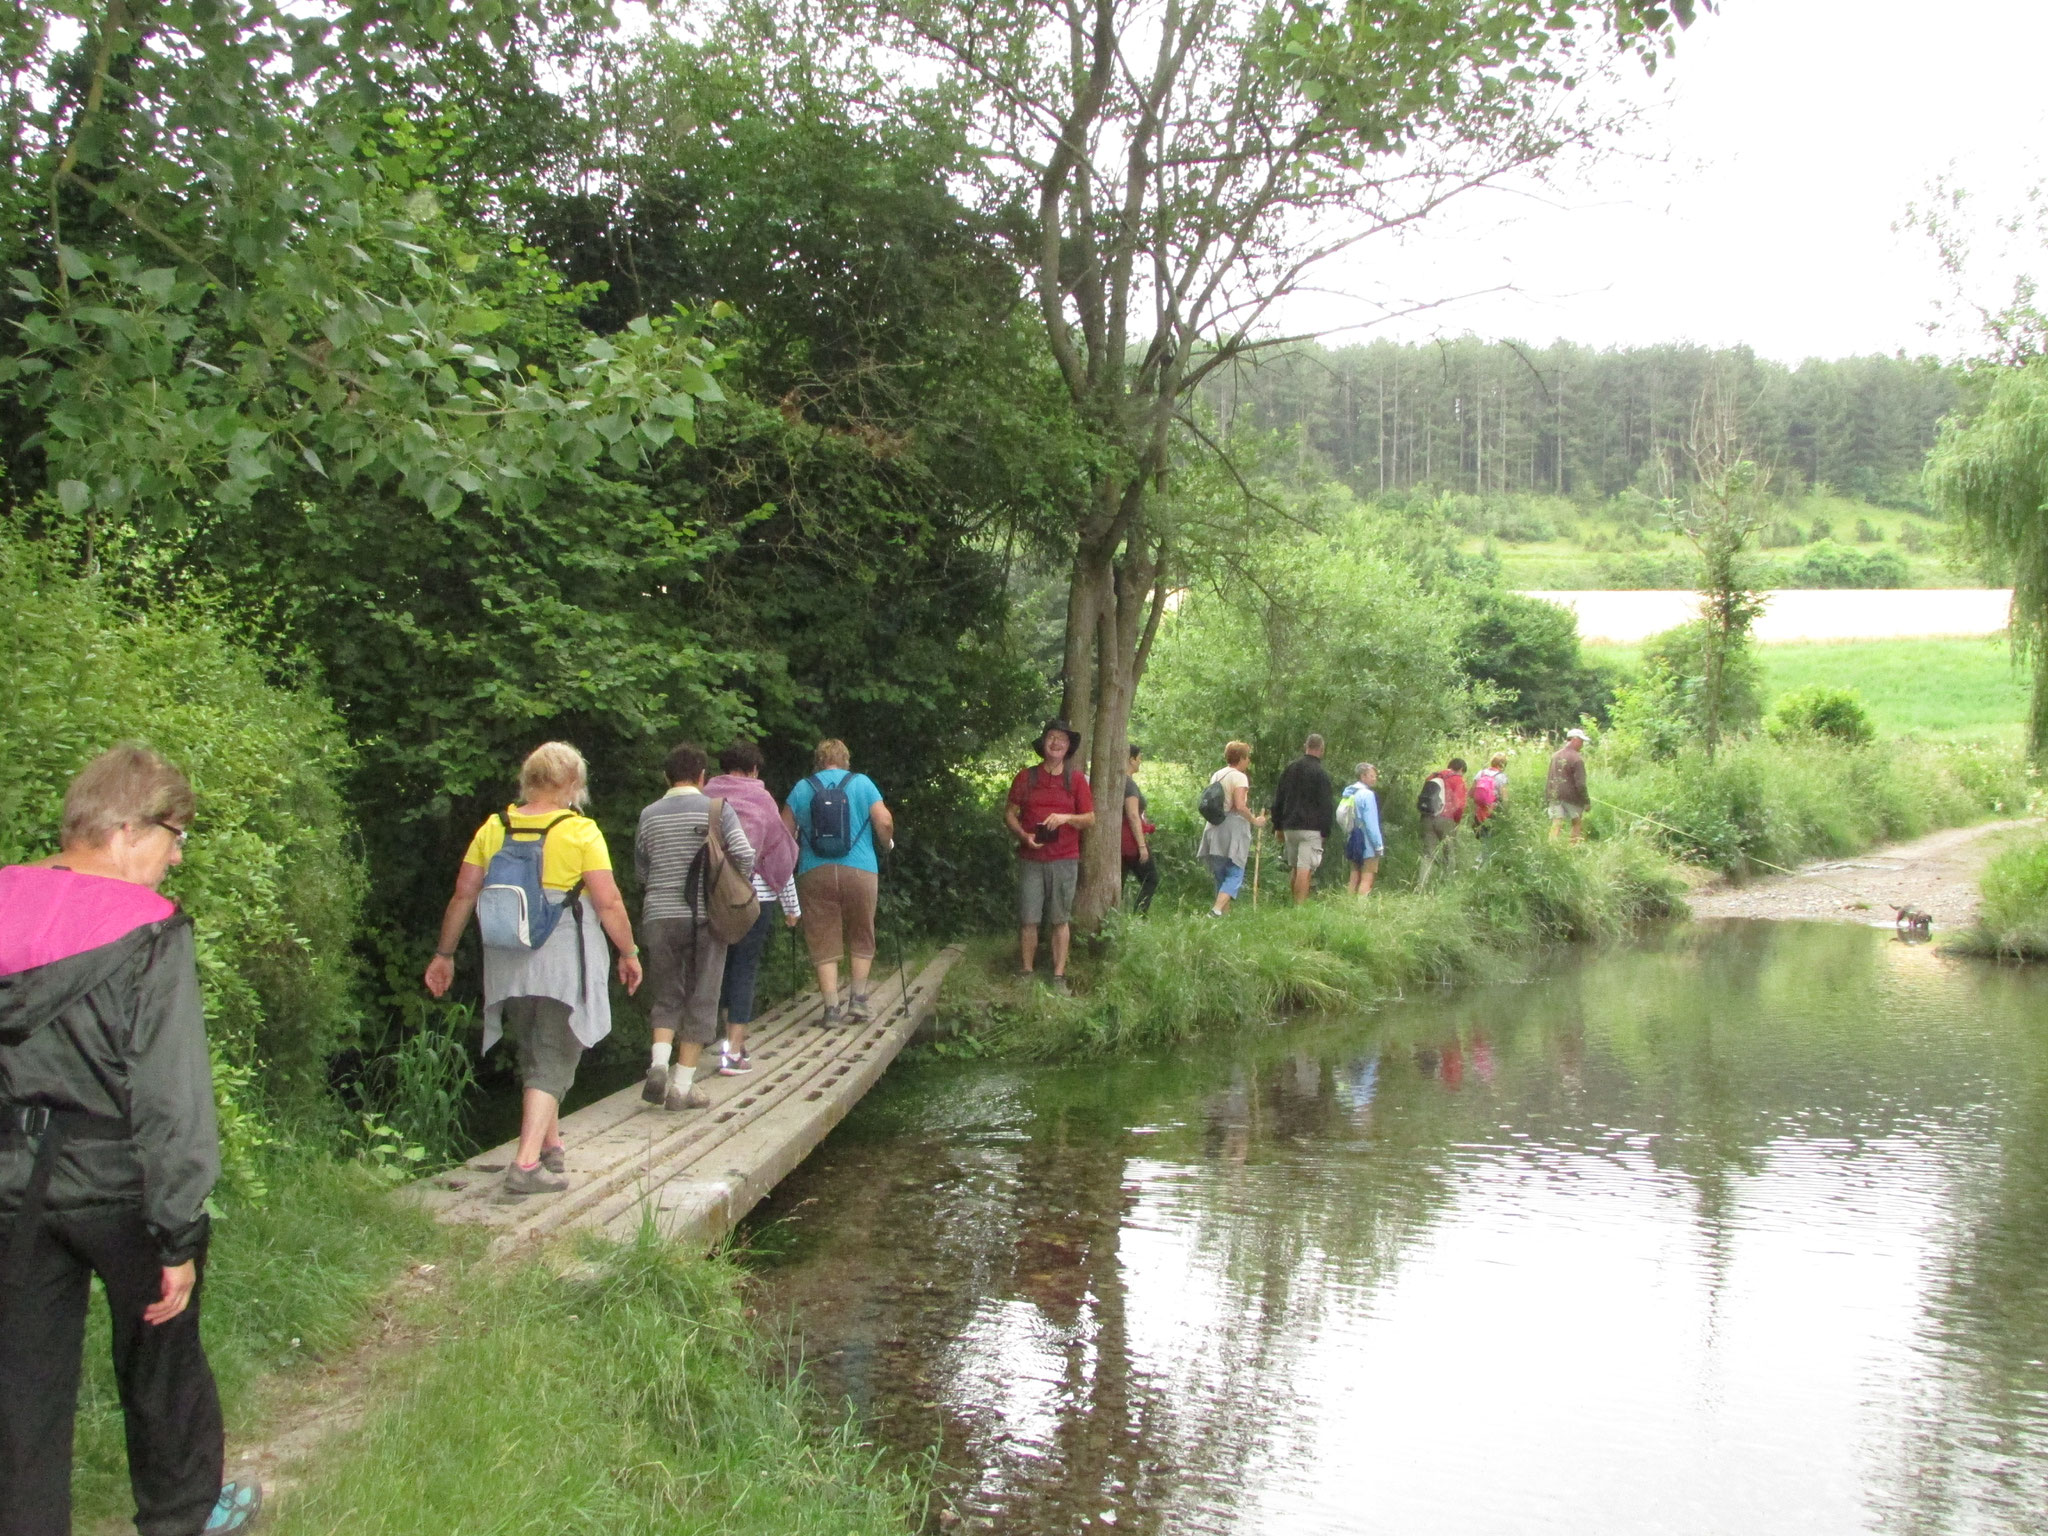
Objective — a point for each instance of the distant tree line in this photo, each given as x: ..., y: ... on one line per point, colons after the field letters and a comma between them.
x: 1488, y: 417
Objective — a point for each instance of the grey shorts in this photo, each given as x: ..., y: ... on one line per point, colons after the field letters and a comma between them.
x: 548, y: 1050
x: 684, y: 972
x: 1559, y: 811
x: 1045, y: 891
x: 1304, y: 849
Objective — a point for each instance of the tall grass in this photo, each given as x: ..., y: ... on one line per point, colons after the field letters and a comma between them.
x: 1175, y: 977
x: 2012, y: 922
x: 289, y: 1280
x: 1761, y: 803
x: 631, y: 1396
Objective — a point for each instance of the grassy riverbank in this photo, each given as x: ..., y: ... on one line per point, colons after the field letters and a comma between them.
x: 610, y: 1389
x: 2012, y: 923
x: 1179, y: 975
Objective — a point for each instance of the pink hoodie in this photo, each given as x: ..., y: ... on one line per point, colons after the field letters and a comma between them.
x: 774, y: 849
x: 48, y: 915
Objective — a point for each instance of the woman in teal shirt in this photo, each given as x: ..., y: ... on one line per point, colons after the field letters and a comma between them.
x: 838, y: 890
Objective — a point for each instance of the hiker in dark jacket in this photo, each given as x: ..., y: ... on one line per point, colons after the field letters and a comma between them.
x: 1565, y: 786
x: 108, y: 1150
x: 1304, y: 811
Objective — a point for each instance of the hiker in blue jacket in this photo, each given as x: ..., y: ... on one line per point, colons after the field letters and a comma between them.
x: 1363, y: 841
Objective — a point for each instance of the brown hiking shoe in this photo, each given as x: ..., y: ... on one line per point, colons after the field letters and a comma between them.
x: 533, y: 1181
x: 684, y: 1094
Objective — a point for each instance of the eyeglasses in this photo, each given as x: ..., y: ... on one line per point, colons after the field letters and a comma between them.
x: 177, y: 833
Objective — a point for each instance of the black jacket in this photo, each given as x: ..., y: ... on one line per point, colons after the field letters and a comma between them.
x: 1306, y: 800
x: 115, y: 1030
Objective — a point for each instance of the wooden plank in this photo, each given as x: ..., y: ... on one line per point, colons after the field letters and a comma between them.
x: 695, y: 1173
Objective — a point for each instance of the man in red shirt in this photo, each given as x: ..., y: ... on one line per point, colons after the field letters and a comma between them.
x: 1049, y: 806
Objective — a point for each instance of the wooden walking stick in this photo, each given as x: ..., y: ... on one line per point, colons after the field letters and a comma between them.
x: 1258, y: 854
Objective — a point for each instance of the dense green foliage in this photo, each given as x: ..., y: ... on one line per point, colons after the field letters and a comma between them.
x: 1664, y: 706
x: 1934, y: 689
x: 270, y: 878
x: 633, y: 1394
x: 1503, y: 417
x: 1321, y: 632
x: 1527, y: 651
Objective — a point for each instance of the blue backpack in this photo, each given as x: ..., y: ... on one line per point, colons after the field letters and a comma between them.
x: 832, y: 834
x: 512, y: 910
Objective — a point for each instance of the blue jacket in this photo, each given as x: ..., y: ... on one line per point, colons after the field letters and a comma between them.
x: 1367, y: 809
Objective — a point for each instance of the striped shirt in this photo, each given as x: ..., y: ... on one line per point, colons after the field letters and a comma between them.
x: 672, y: 830
x: 787, y: 895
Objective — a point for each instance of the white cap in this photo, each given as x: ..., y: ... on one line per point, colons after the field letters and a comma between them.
x: 1575, y: 734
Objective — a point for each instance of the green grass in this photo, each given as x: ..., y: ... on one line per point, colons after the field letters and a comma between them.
x: 2013, y: 921
x: 287, y: 1283
x: 1939, y: 690
x: 632, y: 1395
x: 1176, y: 976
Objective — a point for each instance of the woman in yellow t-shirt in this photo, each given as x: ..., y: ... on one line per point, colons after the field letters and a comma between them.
x: 553, y: 1001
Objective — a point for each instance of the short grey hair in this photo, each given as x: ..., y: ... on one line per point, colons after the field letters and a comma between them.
x: 1314, y: 742
x: 125, y: 786
x: 1365, y: 768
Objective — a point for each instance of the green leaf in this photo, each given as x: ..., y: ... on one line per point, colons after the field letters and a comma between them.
x: 75, y: 263
x: 74, y: 496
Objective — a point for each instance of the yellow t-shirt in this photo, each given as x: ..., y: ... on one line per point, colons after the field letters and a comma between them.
x: 574, y: 848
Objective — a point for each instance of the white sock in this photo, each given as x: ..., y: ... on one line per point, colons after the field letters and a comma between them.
x: 661, y: 1053
x: 677, y: 1072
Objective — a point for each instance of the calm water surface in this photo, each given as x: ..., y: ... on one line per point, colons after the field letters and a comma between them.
x: 1741, y: 1231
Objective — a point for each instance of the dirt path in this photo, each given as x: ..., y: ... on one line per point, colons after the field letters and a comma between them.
x: 1937, y: 873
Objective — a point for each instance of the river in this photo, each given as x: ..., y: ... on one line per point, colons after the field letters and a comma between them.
x: 1741, y: 1229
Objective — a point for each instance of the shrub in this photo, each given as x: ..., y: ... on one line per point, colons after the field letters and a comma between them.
x: 1781, y: 533
x: 2013, y: 919
x: 1528, y: 649
x: 1820, y: 710
x: 1914, y: 539
x: 1821, y: 532
x: 270, y: 879
x: 1868, y: 532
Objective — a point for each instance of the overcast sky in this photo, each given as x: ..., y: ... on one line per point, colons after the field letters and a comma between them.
x: 1779, y: 147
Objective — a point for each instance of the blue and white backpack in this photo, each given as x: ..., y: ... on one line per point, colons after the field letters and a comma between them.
x: 512, y: 910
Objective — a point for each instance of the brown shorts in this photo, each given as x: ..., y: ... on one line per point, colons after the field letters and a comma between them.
x: 839, y: 911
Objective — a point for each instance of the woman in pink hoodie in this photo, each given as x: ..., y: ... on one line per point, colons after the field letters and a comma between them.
x: 775, y: 854
x: 108, y: 1151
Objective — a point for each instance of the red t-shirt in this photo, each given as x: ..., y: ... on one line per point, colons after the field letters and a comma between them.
x: 1037, y: 795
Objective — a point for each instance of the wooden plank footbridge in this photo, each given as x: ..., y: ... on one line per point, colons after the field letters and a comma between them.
x: 694, y: 1173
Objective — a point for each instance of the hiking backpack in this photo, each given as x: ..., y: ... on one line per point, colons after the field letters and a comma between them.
x: 1213, y: 805
x: 512, y: 909
x: 1431, y: 801
x: 731, y: 905
x: 1347, y: 814
x: 832, y: 835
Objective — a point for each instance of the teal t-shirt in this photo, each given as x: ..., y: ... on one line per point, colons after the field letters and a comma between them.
x: 861, y: 796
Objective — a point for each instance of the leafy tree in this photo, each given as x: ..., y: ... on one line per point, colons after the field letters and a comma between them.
x: 232, y: 275
x: 1527, y: 651
x: 1991, y: 474
x: 1722, y: 510
x: 1319, y: 632
x: 1171, y: 171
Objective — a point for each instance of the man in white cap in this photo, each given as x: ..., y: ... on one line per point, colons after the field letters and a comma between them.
x: 1565, y: 789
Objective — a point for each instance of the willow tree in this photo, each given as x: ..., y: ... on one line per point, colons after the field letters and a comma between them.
x: 1173, y: 170
x: 1991, y: 474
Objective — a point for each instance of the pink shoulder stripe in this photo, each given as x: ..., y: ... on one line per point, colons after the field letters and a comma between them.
x: 48, y: 915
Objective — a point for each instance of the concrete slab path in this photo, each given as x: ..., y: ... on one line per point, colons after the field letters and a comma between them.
x: 694, y: 1173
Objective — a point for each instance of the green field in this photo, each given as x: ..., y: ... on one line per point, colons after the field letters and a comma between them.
x: 1949, y: 690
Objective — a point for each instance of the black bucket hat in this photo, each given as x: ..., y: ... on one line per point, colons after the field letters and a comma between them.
x: 1073, y: 738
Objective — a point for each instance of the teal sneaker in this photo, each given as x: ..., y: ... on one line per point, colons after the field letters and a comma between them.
x: 235, y: 1510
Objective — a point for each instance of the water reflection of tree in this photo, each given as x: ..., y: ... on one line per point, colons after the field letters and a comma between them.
x: 1306, y: 1176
